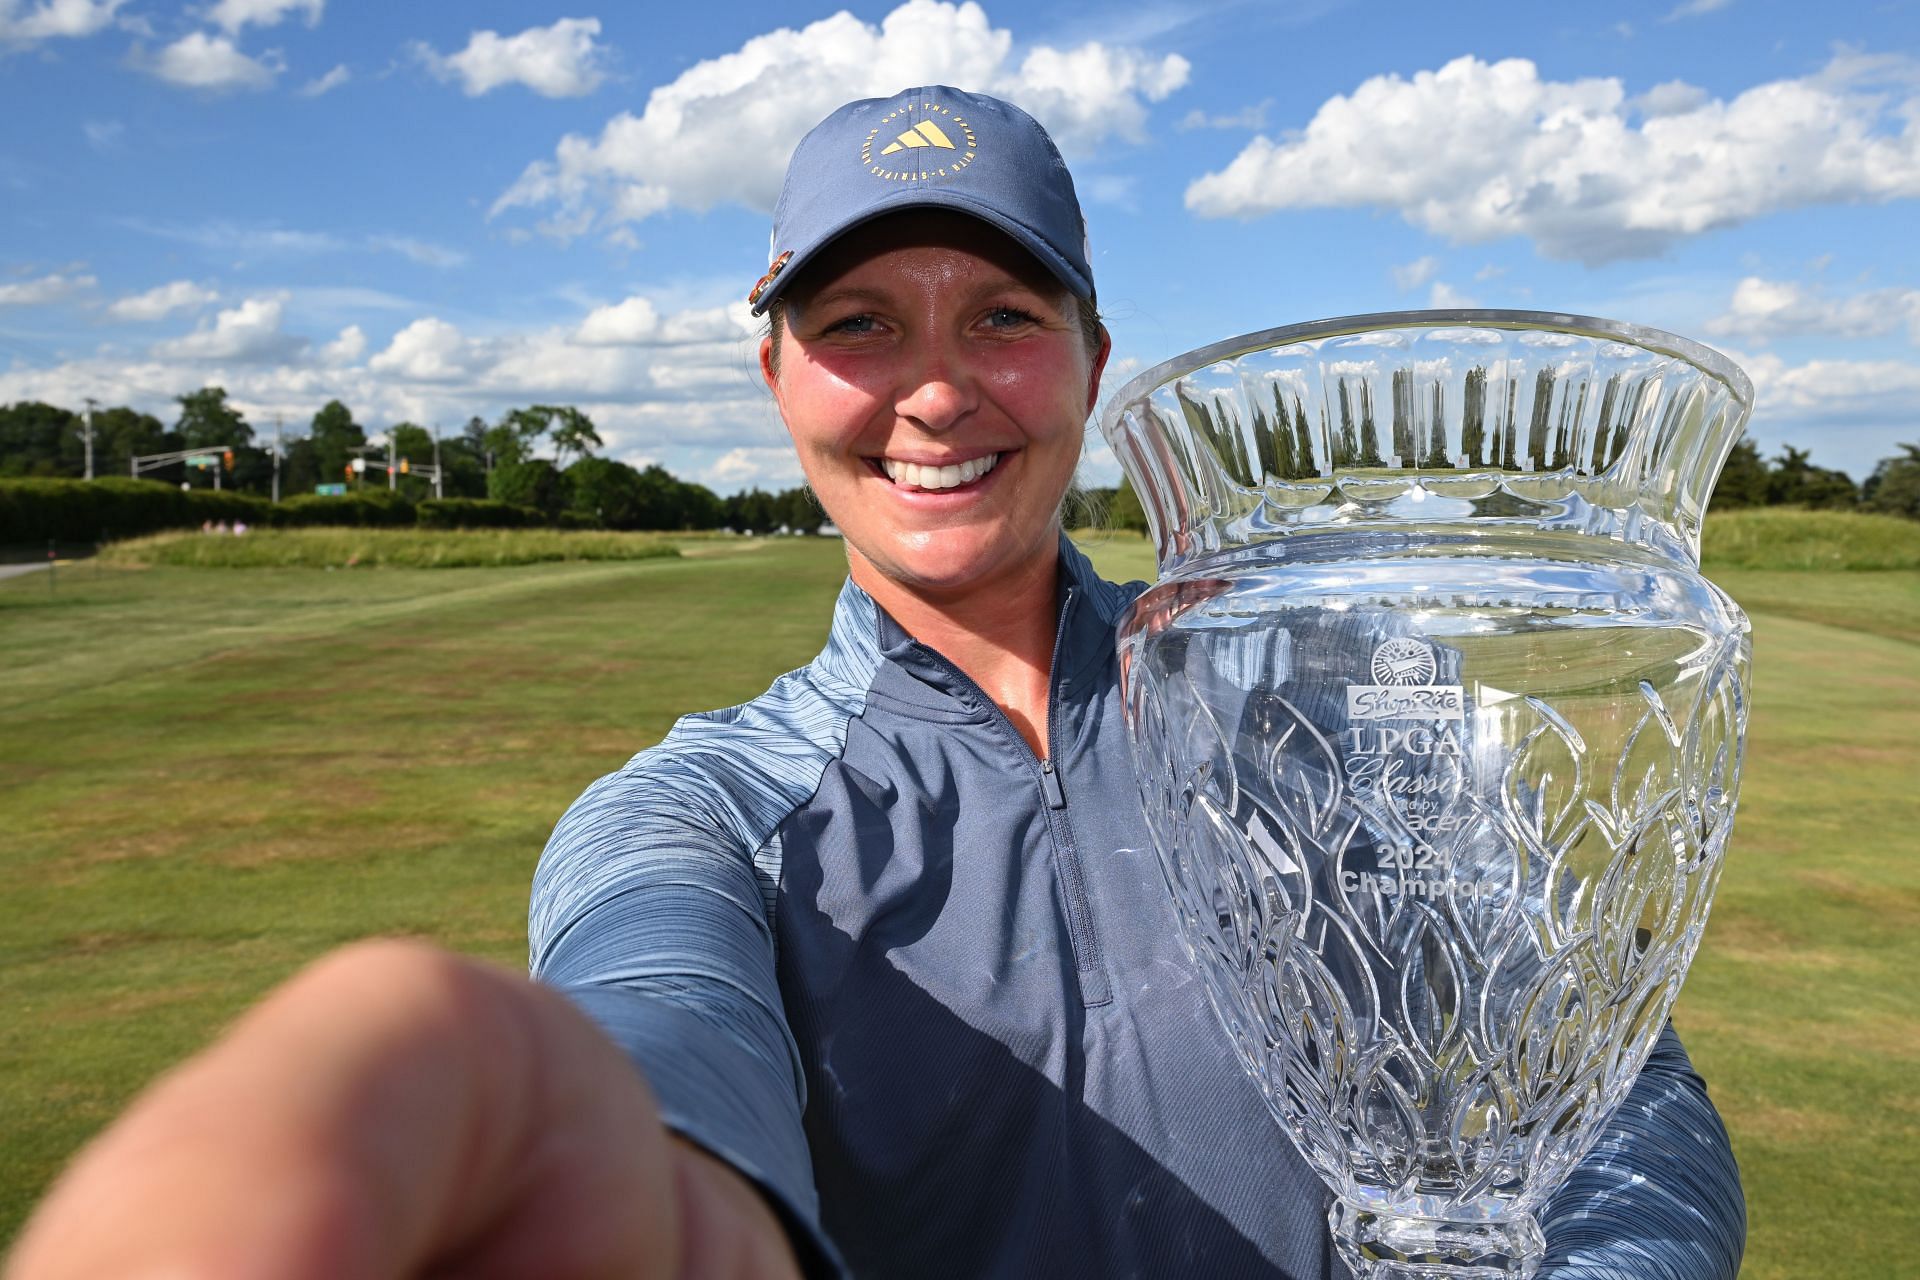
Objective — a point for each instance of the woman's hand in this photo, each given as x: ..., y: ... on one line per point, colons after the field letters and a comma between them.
x: 399, y: 1111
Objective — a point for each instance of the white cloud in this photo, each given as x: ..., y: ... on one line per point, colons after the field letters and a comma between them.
x: 54, y: 18
x: 428, y: 350
x: 1848, y: 413
x: 723, y: 129
x: 1695, y: 9
x: 424, y: 252
x: 250, y: 332
x: 231, y: 15
x: 754, y: 467
x: 624, y: 323
x: 1674, y: 98
x: 1253, y: 117
x: 1476, y: 151
x: 1761, y: 310
x: 227, y: 238
x: 560, y: 61
x: 103, y: 135
x: 201, y: 61
x: 162, y: 300
x: 326, y: 83
x: 1416, y: 273
x: 1444, y: 297
x: 345, y: 349
x: 48, y: 288
x: 1836, y: 390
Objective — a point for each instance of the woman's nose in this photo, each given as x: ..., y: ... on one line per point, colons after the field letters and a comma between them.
x: 939, y: 393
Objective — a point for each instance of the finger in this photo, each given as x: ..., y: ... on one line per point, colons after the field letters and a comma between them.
x: 727, y: 1229
x: 390, y: 1106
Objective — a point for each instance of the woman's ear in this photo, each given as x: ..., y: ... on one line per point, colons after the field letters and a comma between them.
x: 1099, y: 367
x: 768, y: 373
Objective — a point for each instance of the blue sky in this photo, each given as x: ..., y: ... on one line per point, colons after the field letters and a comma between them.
x: 435, y: 210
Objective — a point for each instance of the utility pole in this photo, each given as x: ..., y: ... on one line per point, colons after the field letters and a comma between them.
x: 392, y: 476
x: 439, y: 489
x: 91, y: 402
x: 276, y: 457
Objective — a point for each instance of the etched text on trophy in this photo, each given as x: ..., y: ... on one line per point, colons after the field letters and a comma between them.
x: 1408, y: 774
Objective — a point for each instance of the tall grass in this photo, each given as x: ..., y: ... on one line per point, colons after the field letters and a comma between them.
x: 383, y: 548
x: 1788, y: 538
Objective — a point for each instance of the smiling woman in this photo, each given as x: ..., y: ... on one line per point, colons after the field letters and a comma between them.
x: 894, y: 987
x: 936, y: 381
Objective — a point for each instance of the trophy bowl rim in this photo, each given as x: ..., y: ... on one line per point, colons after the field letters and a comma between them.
x: 1713, y: 363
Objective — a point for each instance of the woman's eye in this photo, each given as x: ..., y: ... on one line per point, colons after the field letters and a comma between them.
x: 1008, y: 317
x: 852, y: 325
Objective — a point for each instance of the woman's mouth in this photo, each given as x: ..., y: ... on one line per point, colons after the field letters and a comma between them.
x: 932, y: 479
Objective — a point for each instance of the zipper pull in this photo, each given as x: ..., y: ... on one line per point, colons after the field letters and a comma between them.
x: 1050, y: 786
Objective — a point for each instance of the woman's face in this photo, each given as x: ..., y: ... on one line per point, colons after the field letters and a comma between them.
x: 936, y: 383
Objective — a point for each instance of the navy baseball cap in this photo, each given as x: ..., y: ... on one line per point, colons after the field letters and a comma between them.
x: 931, y: 147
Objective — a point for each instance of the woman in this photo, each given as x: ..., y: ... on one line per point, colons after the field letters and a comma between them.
x: 883, y: 943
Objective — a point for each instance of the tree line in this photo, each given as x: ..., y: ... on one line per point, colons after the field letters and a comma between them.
x: 1748, y: 480
x: 539, y: 456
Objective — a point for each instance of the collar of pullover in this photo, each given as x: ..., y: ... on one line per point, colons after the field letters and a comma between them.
x: 865, y: 635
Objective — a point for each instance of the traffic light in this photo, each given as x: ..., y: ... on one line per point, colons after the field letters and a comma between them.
x: 406, y: 467
x: 226, y: 457
x: 349, y: 470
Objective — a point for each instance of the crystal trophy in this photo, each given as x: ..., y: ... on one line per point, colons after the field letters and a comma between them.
x: 1438, y: 729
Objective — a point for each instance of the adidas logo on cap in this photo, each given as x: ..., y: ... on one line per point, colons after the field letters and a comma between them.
x: 924, y: 134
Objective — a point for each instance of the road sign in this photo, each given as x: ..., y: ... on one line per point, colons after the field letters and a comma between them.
x: 331, y: 490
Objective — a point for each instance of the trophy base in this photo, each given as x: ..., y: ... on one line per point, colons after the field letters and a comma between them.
x: 1380, y: 1246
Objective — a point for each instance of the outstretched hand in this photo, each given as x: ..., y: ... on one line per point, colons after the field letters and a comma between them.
x: 397, y: 1111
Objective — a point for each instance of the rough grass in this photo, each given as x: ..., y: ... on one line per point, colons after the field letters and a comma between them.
x: 383, y: 548
x: 207, y: 779
x: 1785, y: 538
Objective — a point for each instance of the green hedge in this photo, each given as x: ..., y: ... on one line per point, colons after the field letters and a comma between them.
x: 477, y: 513
x: 37, y: 511
x: 33, y: 512
x: 368, y: 508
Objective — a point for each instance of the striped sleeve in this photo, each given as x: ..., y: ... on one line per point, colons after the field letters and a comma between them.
x: 650, y: 910
x: 1658, y: 1198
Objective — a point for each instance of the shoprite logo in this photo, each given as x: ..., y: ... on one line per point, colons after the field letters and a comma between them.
x: 943, y: 143
x: 1403, y: 671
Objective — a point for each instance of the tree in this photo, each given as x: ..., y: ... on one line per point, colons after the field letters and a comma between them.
x: 300, y: 469
x: 335, y: 436
x: 1894, y: 486
x: 799, y: 510
x: 701, y: 507
x: 1798, y: 482
x: 415, y: 445
x: 607, y: 492
x: 1126, y: 511
x: 38, y: 439
x: 1743, y: 480
x: 752, y: 511
x: 571, y: 432
x: 512, y: 439
x: 534, y: 483
x: 207, y: 421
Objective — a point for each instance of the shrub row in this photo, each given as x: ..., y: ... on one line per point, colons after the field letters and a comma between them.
x: 33, y: 511
x: 36, y: 511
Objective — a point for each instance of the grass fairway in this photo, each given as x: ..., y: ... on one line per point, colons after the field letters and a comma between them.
x: 208, y: 777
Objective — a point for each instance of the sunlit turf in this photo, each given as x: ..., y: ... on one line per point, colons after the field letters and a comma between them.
x: 207, y: 778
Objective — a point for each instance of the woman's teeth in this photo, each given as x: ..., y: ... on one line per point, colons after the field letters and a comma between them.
x: 938, y: 477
